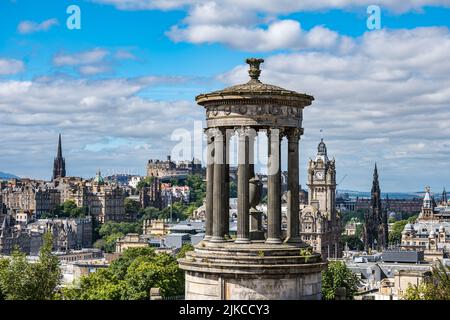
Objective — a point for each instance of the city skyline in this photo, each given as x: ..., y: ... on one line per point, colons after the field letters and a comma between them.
x: 117, y: 91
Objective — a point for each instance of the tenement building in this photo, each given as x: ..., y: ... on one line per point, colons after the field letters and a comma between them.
x: 104, y: 201
x: 375, y: 219
x: 67, y: 234
x: 260, y: 263
x: 431, y: 231
x: 320, y: 224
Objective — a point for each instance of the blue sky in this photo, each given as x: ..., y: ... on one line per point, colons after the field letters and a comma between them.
x: 121, y: 86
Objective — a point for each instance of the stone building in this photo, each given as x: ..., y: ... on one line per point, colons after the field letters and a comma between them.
x: 151, y: 196
x: 431, y: 231
x: 14, y: 235
x: 375, y: 219
x: 104, y: 201
x: 29, y: 195
x: 406, y: 206
x: 169, y: 168
x: 320, y: 224
x: 155, y: 227
x: 131, y: 240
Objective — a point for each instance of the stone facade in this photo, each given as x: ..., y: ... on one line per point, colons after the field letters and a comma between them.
x: 131, y: 240
x: 320, y: 224
x: 104, y: 201
x: 67, y: 234
x: 431, y: 231
x: 169, y: 168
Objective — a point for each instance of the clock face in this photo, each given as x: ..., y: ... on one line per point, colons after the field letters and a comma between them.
x: 319, y: 175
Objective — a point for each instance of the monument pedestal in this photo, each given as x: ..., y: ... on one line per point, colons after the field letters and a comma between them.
x: 257, y: 271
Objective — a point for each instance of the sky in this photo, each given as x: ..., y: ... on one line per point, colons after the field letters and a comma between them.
x: 121, y: 90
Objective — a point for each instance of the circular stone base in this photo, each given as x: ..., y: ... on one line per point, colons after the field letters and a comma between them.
x: 255, y: 271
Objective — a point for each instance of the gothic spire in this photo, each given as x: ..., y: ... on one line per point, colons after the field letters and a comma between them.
x: 59, y: 153
x: 375, y: 184
x: 59, y: 164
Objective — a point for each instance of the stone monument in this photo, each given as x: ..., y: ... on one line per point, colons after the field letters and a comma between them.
x: 257, y: 264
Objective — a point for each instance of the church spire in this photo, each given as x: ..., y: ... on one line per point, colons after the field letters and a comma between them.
x: 444, y: 197
x: 59, y: 153
x: 59, y: 164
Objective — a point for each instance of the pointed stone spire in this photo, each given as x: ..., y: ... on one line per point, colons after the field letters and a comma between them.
x: 59, y: 153
x: 59, y: 164
x: 444, y: 196
x: 375, y: 172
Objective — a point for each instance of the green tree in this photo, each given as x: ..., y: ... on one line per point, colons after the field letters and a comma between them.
x: 149, y: 213
x: 22, y: 280
x: 68, y: 209
x: 15, y: 277
x: 132, y: 207
x: 395, y: 236
x: 435, y: 288
x: 160, y: 271
x: 102, y: 284
x: 353, y: 242
x: 146, y: 182
x: 119, y: 266
x: 130, y: 277
x: 198, y: 188
x: 185, y: 248
x: 47, y: 270
x: 337, y: 275
x: 110, y: 231
x: 357, y: 216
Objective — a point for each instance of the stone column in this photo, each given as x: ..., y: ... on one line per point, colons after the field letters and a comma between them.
x: 209, y: 184
x: 226, y: 184
x: 243, y: 231
x: 274, y: 187
x: 293, y: 234
x: 218, y: 235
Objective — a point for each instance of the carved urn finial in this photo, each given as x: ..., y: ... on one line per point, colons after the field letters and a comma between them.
x: 254, y: 70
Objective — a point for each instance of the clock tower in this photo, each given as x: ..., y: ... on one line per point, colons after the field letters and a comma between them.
x: 319, y: 222
x: 322, y: 181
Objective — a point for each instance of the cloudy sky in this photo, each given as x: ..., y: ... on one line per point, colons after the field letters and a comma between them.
x: 121, y: 89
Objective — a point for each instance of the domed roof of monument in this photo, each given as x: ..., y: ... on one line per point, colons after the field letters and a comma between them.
x: 254, y: 88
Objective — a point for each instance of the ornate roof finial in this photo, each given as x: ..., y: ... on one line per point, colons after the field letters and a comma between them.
x: 254, y: 70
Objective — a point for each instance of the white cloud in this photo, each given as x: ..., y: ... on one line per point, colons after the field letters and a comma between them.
x: 26, y: 27
x: 92, y: 70
x: 256, y: 25
x: 11, y: 66
x: 87, y: 113
x: 279, y: 6
x: 92, y: 62
x: 146, y: 4
x: 284, y: 34
x: 124, y: 55
x: 81, y: 58
x: 386, y: 100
